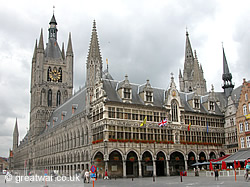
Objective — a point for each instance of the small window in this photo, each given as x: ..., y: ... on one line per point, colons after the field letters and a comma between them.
x: 246, y: 126
x: 241, y: 127
x: 58, y: 98
x: 244, y: 110
x: 49, y: 97
x: 212, y: 105
x: 242, y: 142
x: 174, y: 111
x: 149, y: 96
x: 127, y: 93
x: 248, y: 141
x: 196, y: 103
x: 97, y: 93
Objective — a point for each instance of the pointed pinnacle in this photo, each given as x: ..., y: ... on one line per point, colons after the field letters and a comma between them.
x: 34, y: 54
x: 94, y: 26
x: 40, y: 45
x: 63, y: 53
x: 69, y: 48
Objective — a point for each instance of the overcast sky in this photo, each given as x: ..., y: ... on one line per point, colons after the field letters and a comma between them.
x: 144, y: 39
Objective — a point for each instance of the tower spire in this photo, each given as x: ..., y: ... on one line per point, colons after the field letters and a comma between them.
x: 35, y: 49
x: 226, y: 76
x: 15, y: 136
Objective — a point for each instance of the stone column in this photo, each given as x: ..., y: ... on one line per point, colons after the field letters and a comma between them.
x: 154, y: 168
x: 186, y: 165
x: 124, y: 168
x: 167, y: 167
x: 139, y: 164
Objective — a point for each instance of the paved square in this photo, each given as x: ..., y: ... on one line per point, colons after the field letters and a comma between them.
x: 160, y: 181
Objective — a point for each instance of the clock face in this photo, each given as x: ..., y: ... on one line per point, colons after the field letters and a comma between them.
x: 54, y: 75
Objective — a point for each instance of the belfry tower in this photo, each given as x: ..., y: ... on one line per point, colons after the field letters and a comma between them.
x: 51, y: 78
x: 226, y: 77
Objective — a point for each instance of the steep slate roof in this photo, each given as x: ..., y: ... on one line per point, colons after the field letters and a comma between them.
x: 78, y: 99
x: 52, y: 49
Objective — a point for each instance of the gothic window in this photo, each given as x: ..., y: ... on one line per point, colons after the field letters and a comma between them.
x: 49, y: 97
x: 60, y: 73
x: 42, y: 97
x: 149, y: 96
x: 58, y: 98
x: 126, y: 93
x: 49, y: 70
x: 97, y: 93
x: 212, y: 105
x: 174, y: 110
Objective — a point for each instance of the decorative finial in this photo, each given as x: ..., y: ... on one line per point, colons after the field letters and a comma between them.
x: 107, y: 62
x: 94, y: 26
x: 53, y: 9
x: 212, y: 88
x: 186, y: 30
x: 222, y: 44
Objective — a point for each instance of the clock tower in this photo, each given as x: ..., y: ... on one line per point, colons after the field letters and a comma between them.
x: 51, y: 78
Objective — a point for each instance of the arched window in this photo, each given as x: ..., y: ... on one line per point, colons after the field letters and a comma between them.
x: 60, y: 72
x: 49, y: 97
x: 42, y: 97
x: 174, y: 111
x: 58, y: 98
x: 48, y: 78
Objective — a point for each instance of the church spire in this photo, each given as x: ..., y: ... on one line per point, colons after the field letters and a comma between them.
x: 35, y: 49
x: 15, y: 136
x: 226, y: 76
x: 94, y: 49
x: 188, y: 51
x: 94, y: 59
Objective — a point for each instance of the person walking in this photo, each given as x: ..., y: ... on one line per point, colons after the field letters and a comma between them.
x: 87, y: 176
x: 83, y: 176
x: 106, y: 175
x: 216, y: 174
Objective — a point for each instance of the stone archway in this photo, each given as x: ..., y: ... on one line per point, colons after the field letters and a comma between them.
x: 222, y: 154
x: 191, y: 160
x: 132, y: 169
x: 99, y: 163
x: 147, y: 164
x: 212, y: 155
x: 115, y: 164
x: 202, y: 157
x: 176, y: 163
x: 160, y: 164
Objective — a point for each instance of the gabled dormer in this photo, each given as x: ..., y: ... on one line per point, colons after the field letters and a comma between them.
x: 173, y: 102
x: 196, y: 102
x: 124, y: 90
x: 211, y: 101
x: 146, y: 93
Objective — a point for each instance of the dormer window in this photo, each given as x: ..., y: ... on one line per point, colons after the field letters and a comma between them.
x: 74, y: 107
x: 63, y: 114
x: 127, y: 93
x: 149, y: 96
x: 196, y: 103
x: 211, y: 105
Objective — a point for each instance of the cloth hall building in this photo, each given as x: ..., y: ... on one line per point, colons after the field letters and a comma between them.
x: 100, y: 124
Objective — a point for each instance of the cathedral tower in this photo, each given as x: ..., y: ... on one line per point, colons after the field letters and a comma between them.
x: 193, y: 77
x: 51, y: 78
x: 226, y: 77
x: 94, y: 64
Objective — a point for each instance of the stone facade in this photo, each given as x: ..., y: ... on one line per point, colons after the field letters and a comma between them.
x: 101, y: 123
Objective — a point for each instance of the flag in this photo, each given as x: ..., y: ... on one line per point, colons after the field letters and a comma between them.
x: 144, y: 121
x: 210, y: 166
x: 207, y: 127
x: 189, y: 126
x: 163, y: 123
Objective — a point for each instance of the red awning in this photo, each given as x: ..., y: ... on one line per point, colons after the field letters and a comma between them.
x: 219, y: 159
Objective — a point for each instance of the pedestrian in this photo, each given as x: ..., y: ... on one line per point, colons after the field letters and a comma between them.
x: 83, y: 176
x: 216, y: 174
x: 87, y: 176
x: 106, y: 175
